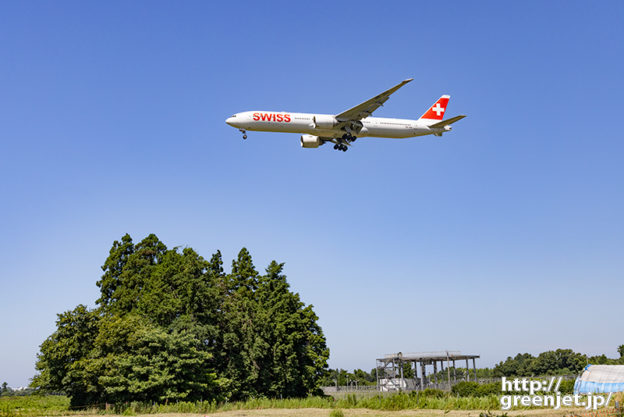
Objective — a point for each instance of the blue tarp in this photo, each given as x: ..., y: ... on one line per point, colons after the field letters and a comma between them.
x: 599, y: 379
x: 585, y: 387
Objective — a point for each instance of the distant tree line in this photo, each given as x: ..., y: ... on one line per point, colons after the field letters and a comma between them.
x: 552, y: 362
x: 171, y: 326
x: 342, y: 377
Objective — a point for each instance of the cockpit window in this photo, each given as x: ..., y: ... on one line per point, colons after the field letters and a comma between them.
x: 234, y: 116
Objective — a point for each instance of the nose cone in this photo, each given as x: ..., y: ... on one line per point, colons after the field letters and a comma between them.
x: 231, y: 121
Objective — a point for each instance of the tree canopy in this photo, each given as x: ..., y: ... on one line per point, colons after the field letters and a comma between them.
x: 169, y: 325
x: 552, y: 362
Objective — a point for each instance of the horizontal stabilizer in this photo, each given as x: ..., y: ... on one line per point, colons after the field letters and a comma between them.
x: 448, y: 121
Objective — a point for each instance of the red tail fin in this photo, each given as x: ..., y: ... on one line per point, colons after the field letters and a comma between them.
x: 436, y: 112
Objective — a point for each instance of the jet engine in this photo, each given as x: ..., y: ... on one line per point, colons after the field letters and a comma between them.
x: 324, y: 121
x: 311, y: 141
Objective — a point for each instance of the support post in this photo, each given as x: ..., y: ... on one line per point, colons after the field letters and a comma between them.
x: 448, y: 371
x: 423, y: 373
x: 474, y: 366
x: 454, y: 372
x: 467, y: 370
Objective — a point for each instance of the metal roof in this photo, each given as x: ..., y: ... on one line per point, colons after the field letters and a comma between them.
x: 427, y: 356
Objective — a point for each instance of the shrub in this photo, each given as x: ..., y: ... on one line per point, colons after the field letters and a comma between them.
x: 434, y: 393
x: 567, y: 386
x: 474, y: 389
x: 492, y: 388
x: 465, y: 389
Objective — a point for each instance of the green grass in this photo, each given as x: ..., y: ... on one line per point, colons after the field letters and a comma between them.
x: 33, y: 405
x: 38, y: 405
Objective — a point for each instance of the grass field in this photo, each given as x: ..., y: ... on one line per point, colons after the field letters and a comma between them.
x: 400, y: 405
x: 34, y: 405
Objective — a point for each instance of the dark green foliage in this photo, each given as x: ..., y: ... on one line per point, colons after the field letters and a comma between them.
x: 598, y: 359
x: 363, y: 377
x: 171, y: 326
x: 552, y: 362
x: 473, y: 389
x: 59, y: 361
x: 343, y: 377
x: 567, y: 386
x: 292, y: 350
x: 432, y: 392
x: 517, y: 366
x: 408, y: 372
x: 560, y: 361
x: 492, y: 388
x: 139, y: 361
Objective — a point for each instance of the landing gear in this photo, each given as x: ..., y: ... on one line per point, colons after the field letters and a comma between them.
x: 244, y: 132
x: 343, y: 142
x: 349, y: 138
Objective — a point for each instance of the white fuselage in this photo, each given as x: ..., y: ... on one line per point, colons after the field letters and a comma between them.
x: 321, y: 125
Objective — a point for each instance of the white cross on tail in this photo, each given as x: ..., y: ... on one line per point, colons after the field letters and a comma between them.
x: 439, y: 110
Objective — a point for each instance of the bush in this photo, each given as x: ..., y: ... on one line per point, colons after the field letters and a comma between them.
x: 474, y: 389
x: 492, y: 388
x: 465, y: 389
x: 434, y: 393
x: 567, y: 386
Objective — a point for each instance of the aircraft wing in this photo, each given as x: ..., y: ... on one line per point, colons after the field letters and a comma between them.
x: 367, y: 108
x: 448, y: 121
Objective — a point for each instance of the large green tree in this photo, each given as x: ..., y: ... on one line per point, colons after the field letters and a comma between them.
x: 516, y: 366
x: 293, y: 353
x: 170, y: 325
x: 136, y: 360
x: 558, y: 361
x: 62, y: 352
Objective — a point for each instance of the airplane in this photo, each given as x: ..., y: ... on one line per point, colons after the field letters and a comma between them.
x: 344, y: 128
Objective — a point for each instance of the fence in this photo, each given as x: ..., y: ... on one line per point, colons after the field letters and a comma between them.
x: 443, y: 385
x: 349, y: 388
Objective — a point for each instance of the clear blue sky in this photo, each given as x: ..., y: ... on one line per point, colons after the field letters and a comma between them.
x: 504, y: 236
